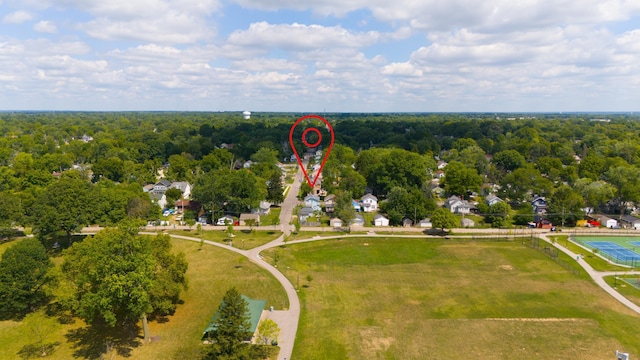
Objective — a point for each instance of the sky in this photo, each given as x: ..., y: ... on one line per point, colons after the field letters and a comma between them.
x: 320, y: 55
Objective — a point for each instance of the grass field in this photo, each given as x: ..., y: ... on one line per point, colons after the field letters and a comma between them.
x: 372, y: 298
x: 251, y: 239
x: 211, y: 272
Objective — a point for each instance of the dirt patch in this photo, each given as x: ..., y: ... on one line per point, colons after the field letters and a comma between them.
x: 374, y: 340
x: 505, y: 267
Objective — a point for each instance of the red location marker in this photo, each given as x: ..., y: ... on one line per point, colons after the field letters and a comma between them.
x: 307, y: 140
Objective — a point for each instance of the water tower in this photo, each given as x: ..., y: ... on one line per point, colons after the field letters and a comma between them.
x: 246, y: 114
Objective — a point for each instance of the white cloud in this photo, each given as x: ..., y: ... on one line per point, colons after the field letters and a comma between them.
x: 17, y: 17
x: 45, y: 27
x: 401, y: 69
x: 300, y: 37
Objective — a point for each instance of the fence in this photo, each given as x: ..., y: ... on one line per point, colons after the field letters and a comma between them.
x: 551, y: 252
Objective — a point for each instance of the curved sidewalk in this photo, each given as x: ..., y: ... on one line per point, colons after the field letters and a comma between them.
x: 598, y: 276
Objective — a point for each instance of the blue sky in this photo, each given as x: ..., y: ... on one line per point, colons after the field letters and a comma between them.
x: 320, y: 55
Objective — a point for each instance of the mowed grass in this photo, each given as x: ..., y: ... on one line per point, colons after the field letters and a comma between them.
x: 373, y: 298
x: 211, y: 273
x: 247, y: 238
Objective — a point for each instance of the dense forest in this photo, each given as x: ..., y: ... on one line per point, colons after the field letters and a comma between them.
x: 60, y: 171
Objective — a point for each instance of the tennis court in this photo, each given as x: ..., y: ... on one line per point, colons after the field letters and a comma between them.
x: 614, y: 251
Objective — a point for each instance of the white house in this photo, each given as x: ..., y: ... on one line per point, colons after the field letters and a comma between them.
x: 304, y: 214
x: 263, y: 209
x: 380, y: 220
x: 458, y: 206
x: 466, y: 222
x: 183, y: 186
x: 369, y: 203
x: 492, y: 199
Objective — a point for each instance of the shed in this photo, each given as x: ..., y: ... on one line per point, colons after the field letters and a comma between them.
x: 605, y: 221
x: 246, y: 216
x: 630, y: 222
x: 425, y: 223
x: 254, y: 310
x: 358, y: 220
x: 380, y: 220
x: 466, y: 222
x: 335, y: 223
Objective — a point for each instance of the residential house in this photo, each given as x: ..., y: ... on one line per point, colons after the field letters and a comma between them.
x: 492, y: 199
x: 539, y: 205
x: 425, y: 223
x: 225, y: 220
x: 380, y: 220
x: 467, y: 223
x: 183, y: 186
x: 335, y: 223
x: 247, y: 164
x: 250, y: 217
x: 312, y: 201
x: 630, y: 222
x: 158, y: 198
x: 161, y: 186
x: 442, y: 164
x: 263, y: 208
x: 369, y: 203
x: 358, y: 220
x: 304, y: 214
x: 459, y: 206
x: 329, y: 203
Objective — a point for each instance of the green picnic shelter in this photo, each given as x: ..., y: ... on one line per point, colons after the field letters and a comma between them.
x: 255, y: 308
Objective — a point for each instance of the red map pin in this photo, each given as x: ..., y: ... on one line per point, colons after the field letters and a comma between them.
x: 311, y: 138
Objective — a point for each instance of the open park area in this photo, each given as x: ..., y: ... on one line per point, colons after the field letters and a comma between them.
x: 211, y: 272
x: 390, y: 298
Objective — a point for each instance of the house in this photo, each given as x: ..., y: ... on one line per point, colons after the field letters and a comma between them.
x: 263, y: 208
x: 312, y: 201
x: 439, y: 174
x: 406, y: 222
x: 304, y: 214
x: 458, y: 206
x: 467, y: 223
x: 539, y: 205
x: 358, y: 220
x: 329, y: 203
x: 425, y: 223
x: 492, y: 199
x: 356, y: 205
x: 335, y: 223
x: 183, y: 186
x: 247, y: 164
x: 225, y: 220
x: 203, y: 219
x: 605, y: 221
x: 158, y: 198
x: 249, y: 217
x: 369, y: 203
x: 631, y: 222
x: 380, y: 220
x: 187, y: 205
x: 442, y: 164
x: 161, y: 186
x: 254, y: 312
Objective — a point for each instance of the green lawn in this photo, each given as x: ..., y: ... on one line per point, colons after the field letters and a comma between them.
x: 268, y: 220
x: 251, y: 239
x: 372, y: 298
x: 211, y: 272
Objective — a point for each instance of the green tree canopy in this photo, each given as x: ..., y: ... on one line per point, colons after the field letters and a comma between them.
x: 24, y: 277
x: 443, y: 219
x: 460, y: 179
x: 231, y: 326
x: 119, y: 276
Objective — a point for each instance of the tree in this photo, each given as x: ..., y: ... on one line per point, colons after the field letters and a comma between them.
x: 64, y: 206
x: 401, y: 203
x: 231, y: 327
x: 275, y: 191
x: 565, y: 206
x: 625, y: 180
x: 236, y: 191
x: 120, y: 277
x: 595, y: 193
x: 344, y: 208
x: 443, y: 219
x: 24, y: 277
x: 520, y: 184
x: 173, y: 195
x: 509, y: 160
x: 268, y: 332
x: 498, y: 214
x: 459, y: 179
